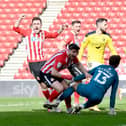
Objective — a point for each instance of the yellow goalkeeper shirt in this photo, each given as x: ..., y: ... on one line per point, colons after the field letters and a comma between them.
x: 96, y: 44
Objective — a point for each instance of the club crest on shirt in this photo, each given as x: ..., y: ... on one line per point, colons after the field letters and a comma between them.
x: 98, y: 46
x: 59, y: 65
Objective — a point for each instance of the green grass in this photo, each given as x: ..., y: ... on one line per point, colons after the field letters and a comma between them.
x: 29, y: 112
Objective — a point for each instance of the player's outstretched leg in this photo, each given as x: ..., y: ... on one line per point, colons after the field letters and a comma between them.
x: 60, y: 98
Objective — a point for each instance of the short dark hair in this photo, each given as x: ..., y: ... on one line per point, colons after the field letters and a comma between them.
x: 76, y: 22
x: 114, y: 60
x: 73, y: 46
x: 36, y: 18
x: 99, y: 20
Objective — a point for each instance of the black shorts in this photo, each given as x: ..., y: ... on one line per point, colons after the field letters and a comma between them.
x: 48, y: 79
x: 35, y: 68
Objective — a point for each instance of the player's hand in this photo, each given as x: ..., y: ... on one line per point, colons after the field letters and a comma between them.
x: 64, y: 26
x: 69, y: 77
x: 17, y: 23
x: 112, y: 111
x: 22, y: 16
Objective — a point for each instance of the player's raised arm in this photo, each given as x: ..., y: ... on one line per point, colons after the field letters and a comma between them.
x: 17, y: 23
x: 62, y: 28
x: 18, y: 29
x: 55, y: 34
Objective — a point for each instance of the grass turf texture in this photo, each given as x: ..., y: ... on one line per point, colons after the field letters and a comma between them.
x: 29, y: 112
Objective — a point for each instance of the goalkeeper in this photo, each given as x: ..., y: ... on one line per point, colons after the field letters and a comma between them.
x: 104, y: 76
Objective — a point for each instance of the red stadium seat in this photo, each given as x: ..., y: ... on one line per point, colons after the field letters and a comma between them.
x: 3, y: 57
x: 1, y: 63
x: 17, y: 76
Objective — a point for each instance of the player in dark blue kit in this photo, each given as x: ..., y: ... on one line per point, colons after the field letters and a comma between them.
x: 103, y: 77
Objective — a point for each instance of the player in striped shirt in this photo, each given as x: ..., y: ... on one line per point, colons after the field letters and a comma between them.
x: 35, y: 38
x: 50, y: 72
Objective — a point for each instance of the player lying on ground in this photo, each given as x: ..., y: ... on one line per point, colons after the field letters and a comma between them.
x: 104, y: 77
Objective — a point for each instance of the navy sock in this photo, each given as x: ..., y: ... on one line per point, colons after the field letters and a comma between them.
x: 66, y: 93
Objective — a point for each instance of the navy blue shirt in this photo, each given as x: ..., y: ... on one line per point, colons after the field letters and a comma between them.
x: 104, y: 77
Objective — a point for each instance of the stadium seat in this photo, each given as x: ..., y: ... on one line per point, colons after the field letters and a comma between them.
x: 1, y: 63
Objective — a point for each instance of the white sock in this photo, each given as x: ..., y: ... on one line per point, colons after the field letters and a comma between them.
x: 82, y: 106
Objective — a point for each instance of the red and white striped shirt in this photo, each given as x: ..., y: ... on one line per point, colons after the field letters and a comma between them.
x: 58, y: 61
x: 35, y: 43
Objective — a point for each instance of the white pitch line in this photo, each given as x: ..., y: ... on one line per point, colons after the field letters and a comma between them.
x: 18, y: 104
x: 13, y: 105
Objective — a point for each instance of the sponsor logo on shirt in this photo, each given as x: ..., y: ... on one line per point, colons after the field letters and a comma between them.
x: 59, y: 65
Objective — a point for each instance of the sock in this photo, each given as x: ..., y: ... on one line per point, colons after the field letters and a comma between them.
x: 68, y: 102
x: 86, y: 82
x: 46, y: 93
x: 82, y: 106
x: 66, y: 93
x: 86, y: 99
x: 53, y: 95
x: 76, y: 98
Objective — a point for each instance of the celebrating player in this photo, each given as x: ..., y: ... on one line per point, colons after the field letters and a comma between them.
x: 35, y: 38
x: 72, y: 35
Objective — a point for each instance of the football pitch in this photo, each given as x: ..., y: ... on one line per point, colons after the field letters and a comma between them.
x: 29, y: 112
